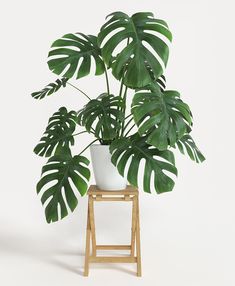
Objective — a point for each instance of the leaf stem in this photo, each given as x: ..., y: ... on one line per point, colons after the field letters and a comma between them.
x: 79, y: 133
x: 121, y: 87
x: 107, y: 79
x: 124, y: 108
x: 79, y: 90
x: 87, y: 146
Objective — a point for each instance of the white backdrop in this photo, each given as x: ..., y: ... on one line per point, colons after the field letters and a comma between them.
x: 187, y: 235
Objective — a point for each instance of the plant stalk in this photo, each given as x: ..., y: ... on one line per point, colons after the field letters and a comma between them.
x: 79, y: 90
x: 79, y: 133
x: 107, y: 79
x: 87, y: 146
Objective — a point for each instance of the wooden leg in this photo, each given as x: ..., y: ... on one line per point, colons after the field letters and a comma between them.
x: 88, y: 238
x: 138, y: 240
x: 133, y: 225
x: 92, y: 223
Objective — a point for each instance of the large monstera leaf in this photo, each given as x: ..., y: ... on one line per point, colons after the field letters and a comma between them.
x: 50, y: 88
x: 71, y: 55
x: 58, y: 194
x: 187, y: 143
x: 103, y: 116
x: 157, y: 162
x: 58, y: 133
x: 135, y: 58
x: 163, y: 116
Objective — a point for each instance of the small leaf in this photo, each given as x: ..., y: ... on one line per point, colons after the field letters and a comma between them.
x: 191, y: 148
x: 50, y: 88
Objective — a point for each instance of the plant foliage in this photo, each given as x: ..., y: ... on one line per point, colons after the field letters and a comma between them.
x: 163, y: 116
x: 134, y: 60
x: 58, y: 134
x: 71, y: 56
x: 103, y: 116
x: 141, y: 130
x: 58, y: 193
x: 157, y: 162
x: 187, y: 143
x: 50, y: 88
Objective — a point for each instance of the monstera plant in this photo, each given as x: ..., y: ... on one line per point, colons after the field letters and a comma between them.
x: 134, y: 50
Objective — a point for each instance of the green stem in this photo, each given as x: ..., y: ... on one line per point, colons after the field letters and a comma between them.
x: 87, y: 146
x: 79, y: 133
x: 79, y: 90
x: 121, y: 87
x: 124, y: 109
x: 107, y: 80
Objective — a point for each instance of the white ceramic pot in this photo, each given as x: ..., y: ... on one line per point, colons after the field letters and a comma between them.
x: 106, y: 174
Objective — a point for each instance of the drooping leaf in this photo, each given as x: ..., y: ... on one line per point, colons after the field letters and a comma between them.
x: 187, y: 143
x: 103, y: 116
x: 163, y: 116
x: 58, y: 194
x: 58, y: 133
x: 50, y: 88
x: 157, y: 162
x: 72, y: 55
x: 134, y: 59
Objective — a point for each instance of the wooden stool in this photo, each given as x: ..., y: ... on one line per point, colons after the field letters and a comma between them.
x: 129, y: 194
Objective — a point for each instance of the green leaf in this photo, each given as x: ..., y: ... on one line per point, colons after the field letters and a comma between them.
x: 50, y: 88
x: 163, y: 116
x: 102, y: 116
x: 58, y: 133
x: 156, y: 162
x: 71, y: 55
x: 133, y: 61
x: 57, y: 176
x: 187, y: 143
x: 156, y: 85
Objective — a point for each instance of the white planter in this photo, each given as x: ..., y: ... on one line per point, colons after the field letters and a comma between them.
x: 106, y: 174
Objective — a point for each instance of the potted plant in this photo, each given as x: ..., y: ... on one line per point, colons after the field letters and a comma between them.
x: 135, y: 51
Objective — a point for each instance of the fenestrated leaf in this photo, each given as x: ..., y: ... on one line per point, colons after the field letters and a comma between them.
x: 156, y: 163
x: 57, y: 175
x: 50, y: 88
x: 155, y: 85
x: 103, y: 116
x: 163, y: 116
x: 72, y: 55
x: 58, y: 133
x: 187, y: 143
x: 134, y: 59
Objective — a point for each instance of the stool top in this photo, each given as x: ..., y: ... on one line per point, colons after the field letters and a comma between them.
x: 130, y: 190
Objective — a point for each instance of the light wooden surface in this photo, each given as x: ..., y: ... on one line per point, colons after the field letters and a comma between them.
x: 127, y: 195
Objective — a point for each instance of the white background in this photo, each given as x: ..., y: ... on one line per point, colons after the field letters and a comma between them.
x: 188, y: 235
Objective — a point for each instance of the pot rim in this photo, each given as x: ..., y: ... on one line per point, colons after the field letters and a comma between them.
x: 101, y: 145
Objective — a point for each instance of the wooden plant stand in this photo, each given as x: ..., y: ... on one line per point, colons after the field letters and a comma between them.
x: 97, y: 195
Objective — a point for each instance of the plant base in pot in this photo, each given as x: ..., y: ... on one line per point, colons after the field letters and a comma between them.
x: 106, y: 175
